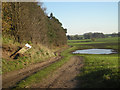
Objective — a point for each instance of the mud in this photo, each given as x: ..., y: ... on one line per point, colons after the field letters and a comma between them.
x: 10, y: 79
x: 65, y: 76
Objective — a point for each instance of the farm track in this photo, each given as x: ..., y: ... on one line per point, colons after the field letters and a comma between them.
x: 65, y: 76
x: 10, y: 79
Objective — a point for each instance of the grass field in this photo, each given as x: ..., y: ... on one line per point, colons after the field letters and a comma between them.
x: 100, y: 71
x: 97, y: 41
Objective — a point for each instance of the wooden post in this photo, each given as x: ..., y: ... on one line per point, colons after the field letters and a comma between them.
x: 21, y: 51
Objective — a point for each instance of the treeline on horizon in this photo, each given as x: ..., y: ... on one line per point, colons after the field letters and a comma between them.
x: 28, y: 22
x: 91, y: 35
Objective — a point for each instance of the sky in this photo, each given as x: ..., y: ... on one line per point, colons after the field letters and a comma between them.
x: 84, y: 17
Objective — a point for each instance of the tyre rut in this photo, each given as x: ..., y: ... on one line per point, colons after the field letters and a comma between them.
x: 10, y: 79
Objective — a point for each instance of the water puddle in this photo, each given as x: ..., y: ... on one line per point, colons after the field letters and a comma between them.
x: 94, y: 51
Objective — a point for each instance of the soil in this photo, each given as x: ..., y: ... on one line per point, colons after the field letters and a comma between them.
x: 10, y: 79
x: 65, y: 76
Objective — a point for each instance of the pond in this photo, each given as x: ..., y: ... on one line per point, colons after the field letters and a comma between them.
x: 94, y: 51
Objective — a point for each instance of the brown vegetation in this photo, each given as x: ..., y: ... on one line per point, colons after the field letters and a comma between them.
x: 28, y: 22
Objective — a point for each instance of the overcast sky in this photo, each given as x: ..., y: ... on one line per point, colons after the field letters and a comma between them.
x: 82, y: 17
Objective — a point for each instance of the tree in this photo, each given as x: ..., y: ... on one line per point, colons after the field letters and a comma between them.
x: 93, y: 35
x: 88, y: 35
x: 118, y: 34
x: 68, y: 37
x: 51, y: 15
x: 27, y: 21
x: 65, y: 30
x: 6, y: 17
x: 114, y: 35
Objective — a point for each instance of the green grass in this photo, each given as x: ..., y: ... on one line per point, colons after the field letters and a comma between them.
x: 38, y: 53
x: 110, y: 39
x: 36, y: 78
x: 98, y: 41
x: 98, y: 71
x: 83, y: 40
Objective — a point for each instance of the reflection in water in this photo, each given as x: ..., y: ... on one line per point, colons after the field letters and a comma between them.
x: 94, y: 51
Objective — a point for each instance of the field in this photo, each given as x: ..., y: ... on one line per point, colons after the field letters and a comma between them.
x: 99, y: 71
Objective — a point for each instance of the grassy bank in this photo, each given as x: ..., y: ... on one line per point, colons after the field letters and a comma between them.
x: 38, y: 53
x: 36, y: 78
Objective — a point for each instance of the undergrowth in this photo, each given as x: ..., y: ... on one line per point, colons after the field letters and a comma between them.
x: 38, y: 53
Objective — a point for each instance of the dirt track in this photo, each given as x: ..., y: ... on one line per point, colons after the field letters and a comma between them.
x: 10, y: 79
x: 65, y: 76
